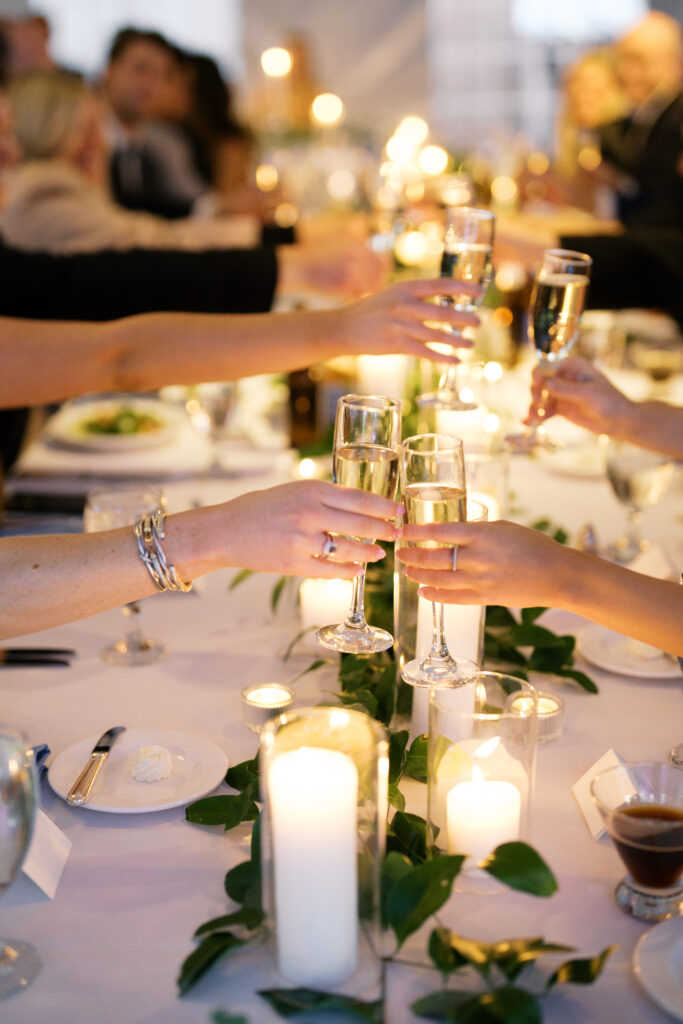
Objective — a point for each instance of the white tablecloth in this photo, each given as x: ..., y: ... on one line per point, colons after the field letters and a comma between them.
x: 136, y: 886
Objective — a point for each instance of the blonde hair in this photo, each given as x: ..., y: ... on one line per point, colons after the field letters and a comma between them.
x: 45, y: 107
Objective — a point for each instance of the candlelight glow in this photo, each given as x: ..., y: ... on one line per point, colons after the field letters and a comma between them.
x: 493, y: 371
x: 491, y: 423
x: 400, y: 148
x: 537, y: 162
x: 433, y: 160
x: 504, y: 188
x: 266, y: 177
x: 327, y: 108
x: 414, y: 128
x: 276, y: 62
x: 286, y: 215
x: 412, y: 248
x: 589, y: 158
x: 307, y: 468
x: 341, y: 184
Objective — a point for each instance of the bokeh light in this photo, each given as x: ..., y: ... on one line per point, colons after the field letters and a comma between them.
x: 327, y: 108
x: 276, y: 62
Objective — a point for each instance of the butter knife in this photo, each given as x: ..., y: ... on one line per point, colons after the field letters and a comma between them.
x: 78, y: 794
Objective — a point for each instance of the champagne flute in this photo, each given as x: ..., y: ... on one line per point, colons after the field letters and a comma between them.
x: 367, y: 435
x: 19, y: 962
x: 209, y: 406
x: 557, y: 301
x: 468, y: 246
x: 109, y: 508
x: 639, y: 478
x: 433, y: 488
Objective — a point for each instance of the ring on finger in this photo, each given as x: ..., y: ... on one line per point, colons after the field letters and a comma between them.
x: 454, y: 558
x: 329, y: 547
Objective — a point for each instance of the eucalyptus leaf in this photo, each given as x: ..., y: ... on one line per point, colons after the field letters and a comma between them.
x: 228, y: 811
x: 580, y: 972
x: 504, y: 1005
x: 416, y: 759
x: 419, y: 894
x: 290, y: 1002
x: 407, y: 834
x: 521, y: 867
x: 240, y: 577
x: 243, y: 775
x: 211, y: 949
x: 250, y: 918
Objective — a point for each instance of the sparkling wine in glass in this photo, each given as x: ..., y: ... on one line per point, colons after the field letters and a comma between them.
x: 19, y: 962
x: 433, y: 491
x: 366, y: 440
x: 639, y: 478
x: 109, y: 508
x: 557, y: 301
x: 468, y: 248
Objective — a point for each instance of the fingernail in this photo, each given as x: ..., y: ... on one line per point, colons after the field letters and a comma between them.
x: 380, y: 553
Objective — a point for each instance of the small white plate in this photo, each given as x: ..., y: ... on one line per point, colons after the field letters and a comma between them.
x: 66, y: 428
x: 198, y: 767
x: 658, y: 964
x: 610, y: 650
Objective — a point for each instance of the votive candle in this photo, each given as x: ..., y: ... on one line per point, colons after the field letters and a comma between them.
x: 481, y: 814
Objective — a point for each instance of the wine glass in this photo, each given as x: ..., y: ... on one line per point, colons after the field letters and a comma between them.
x: 367, y: 434
x: 19, y: 962
x: 639, y: 478
x: 642, y: 807
x: 557, y: 301
x: 433, y: 489
x: 209, y: 406
x: 109, y: 508
x: 468, y: 246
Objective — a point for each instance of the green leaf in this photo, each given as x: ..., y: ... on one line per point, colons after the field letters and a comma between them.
x: 396, y: 797
x: 416, y: 759
x: 211, y: 949
x: 445, y: 957
x: 289, y: 1002
x: 504, y: 1005
x: 580, y: 972
x: 250, y: 918
x: 519, y: 866
x: 221, y: 1017
x: 394, y: 867
x: 498, y: 615
x: 579, y: 677
x: 529, y: 635
x: 363, y: 700
x: 276, y: 592
x: 407, y: 834
x: 302, y: 633
x: 529, y: 615
x: 240, y: 577
x: 398, y: 742
x: 243, y: 884
x: 224, y: 810
x: 385, y: 692
x: 313, y: 667
x: 419, y: 894
x: 243, y: 775
x: 512, y: 956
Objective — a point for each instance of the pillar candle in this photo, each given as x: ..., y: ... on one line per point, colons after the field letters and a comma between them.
x: 382, y: 375
x: 313, y: 807
x: 481, y: 814
x: 324, y: 602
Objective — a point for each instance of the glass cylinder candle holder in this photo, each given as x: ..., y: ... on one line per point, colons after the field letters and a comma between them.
x: 264, y: 701
x: 487, y: 470
x: 480, y: 771
x: 324, y: 785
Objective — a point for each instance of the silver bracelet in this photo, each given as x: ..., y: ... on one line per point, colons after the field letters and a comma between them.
x: 149, y: 533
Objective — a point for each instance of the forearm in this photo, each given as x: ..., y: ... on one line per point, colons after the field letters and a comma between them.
x: 654, y: 425
x: 640, y: 606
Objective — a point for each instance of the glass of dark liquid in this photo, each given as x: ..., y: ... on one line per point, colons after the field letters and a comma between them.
x: 642, y: 807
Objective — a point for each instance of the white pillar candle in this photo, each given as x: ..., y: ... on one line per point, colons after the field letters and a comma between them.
x: 382, y: 375
x: 465, y: 423
x: 489, y: 500
x: 313, y: 807
x: 481, y: 814
x: 324, y: 602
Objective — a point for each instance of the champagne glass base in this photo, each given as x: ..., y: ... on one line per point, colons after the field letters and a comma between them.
x: 445, y: 400
x: 355, y: 639
x: 142, y: 652
x: 19, y: 964
x: 532, y: 444
x: 441, y: 672
x: 648, y: 905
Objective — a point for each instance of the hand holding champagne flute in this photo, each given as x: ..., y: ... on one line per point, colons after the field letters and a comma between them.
x: 366, y: 440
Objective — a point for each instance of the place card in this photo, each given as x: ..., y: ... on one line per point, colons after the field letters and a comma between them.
x: 582, y: 792
x: 47, y: 854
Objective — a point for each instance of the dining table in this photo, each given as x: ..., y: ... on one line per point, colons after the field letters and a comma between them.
x: 136, y: 885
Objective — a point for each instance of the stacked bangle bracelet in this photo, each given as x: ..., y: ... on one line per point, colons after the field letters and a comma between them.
x: 149, y: 533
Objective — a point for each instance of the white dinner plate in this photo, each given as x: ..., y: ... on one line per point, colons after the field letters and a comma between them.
x: 658, y: 964
x: 198, y: 767
x: 616, y: 653
x: 66, y: 429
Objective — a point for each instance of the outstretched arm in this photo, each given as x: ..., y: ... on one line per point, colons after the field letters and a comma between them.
x: 503, y: 563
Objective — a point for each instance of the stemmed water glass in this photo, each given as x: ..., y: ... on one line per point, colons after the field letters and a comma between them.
x: 639, y: 478
x: 468, y: 246
x: 433, y: 491
x: 209, y: 406
x: 19, y: 961
x: 557, y: 301
x: 109, y: 508
x: 367, y: 435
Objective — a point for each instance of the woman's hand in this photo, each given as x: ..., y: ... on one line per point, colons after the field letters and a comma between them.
x: 284, y: 529
x: 397, y: 320
x: 582, y: 394
x: 497, y: 563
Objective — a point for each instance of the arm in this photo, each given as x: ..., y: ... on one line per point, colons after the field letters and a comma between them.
x: 582, y: 394
x: 502, y: 563
x: 145, y: 352
x: 51, y: 580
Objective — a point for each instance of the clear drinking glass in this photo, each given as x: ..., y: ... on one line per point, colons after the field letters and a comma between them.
x: 557, y: 301
x: 433, y: 491
x: 639, y: 478
x: 468, y: 247
x: 209, y: 406
x: 367, y: 435
x: 19, y: 961
x: 109, y: 508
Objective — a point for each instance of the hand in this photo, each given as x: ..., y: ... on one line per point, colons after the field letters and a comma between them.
x: 497, y: 563
x: 395, y: 320
x: 283, y: 529
x: 344, y: 268
x: 582, y: 394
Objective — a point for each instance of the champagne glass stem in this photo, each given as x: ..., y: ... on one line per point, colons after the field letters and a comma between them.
x: 634, y: 528
x: 356, y: 616
x: 439, y: 645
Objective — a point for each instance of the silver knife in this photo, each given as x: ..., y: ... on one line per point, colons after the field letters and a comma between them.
x: 78, y: 794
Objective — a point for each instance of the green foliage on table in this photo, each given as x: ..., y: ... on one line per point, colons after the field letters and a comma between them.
x: 413, y: 892
x: 519, y: 866
x: 212, y: 948
x: 221, y: 1017
x: 290, y: 1002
